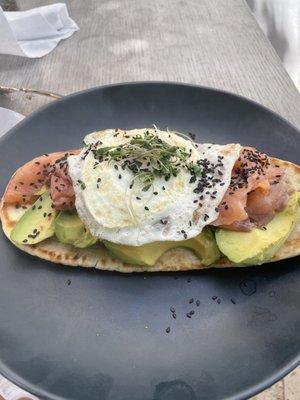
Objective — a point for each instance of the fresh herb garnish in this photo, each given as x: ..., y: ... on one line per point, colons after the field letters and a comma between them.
x: 147, y: 157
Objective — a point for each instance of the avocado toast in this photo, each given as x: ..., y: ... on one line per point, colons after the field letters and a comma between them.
x: 151, y: 200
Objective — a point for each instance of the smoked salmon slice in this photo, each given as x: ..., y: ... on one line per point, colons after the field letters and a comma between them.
x: 258, y: 189
x: 48, y: 169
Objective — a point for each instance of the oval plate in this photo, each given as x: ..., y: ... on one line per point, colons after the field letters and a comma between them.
x: 69, y: 333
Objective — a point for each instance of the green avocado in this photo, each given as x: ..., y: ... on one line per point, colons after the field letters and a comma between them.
x: 203, y: 245
x: 259, y: 245
x: 70, y: 229
x: 37, y: 223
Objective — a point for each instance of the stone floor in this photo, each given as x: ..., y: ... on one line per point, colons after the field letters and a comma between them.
x: 286, y: 389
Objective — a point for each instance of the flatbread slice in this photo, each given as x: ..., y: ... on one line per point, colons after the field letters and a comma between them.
x: 178, y: 259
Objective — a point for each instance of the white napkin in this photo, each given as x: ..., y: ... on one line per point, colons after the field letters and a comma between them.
x: 35, y: 32
x: 9, y: 391
x: 8, y: 119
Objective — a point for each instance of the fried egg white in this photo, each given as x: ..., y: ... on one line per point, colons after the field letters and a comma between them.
x: 173, y: 210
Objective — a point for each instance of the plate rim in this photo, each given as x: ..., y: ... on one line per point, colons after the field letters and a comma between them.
x: 242, y: 395
x: 149, y: 83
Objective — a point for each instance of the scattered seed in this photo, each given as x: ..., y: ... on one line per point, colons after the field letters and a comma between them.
x: 168, y: 329
x: 191, y: 301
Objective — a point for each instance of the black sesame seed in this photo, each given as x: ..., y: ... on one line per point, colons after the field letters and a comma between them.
x: 45, y: 215
x: 69, y: 282
x: 188, y: 315
x: 40, y: 207
x: 174, y: 315
x: 233, y: 301
x: 25, y: 241
x: 146, y: 208
x: 138, y: 198
x: 219, y: 301
x: 172, y: 309
x: 197, y: 303
x: 192, y: 312
x: 163, y: 188
x: 120, y: 176
x: 168, y: 329
x: 191, y: 301
x: 214, y: 297
x: 155, y: 193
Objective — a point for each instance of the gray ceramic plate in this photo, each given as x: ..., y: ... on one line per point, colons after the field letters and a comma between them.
x: 67, y: 333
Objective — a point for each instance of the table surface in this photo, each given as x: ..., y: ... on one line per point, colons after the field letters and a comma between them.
x: 214, y: 43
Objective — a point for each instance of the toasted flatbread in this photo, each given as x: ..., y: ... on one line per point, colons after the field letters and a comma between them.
x: 178, y: 259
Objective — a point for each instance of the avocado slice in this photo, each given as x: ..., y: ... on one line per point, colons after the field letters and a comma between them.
x: 203, y: 245
x: 37, y: 223
x: 70, y: 229
x: 259, y: 245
